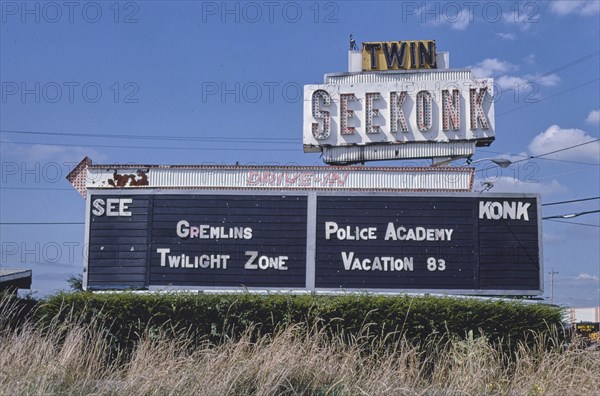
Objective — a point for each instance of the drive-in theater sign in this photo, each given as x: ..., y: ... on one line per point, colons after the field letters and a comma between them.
x: 314, y: 237
x: 327, y: 228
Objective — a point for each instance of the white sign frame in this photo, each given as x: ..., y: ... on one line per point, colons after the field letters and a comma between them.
x: 416, y: 93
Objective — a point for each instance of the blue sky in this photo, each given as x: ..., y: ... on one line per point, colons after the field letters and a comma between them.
x: 147, y: 70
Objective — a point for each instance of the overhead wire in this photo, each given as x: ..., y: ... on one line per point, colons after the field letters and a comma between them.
x: 557, y: 151
x: 2, y: 188
x: 43, y: 223
x: 35, y: 188
x: 274, y: 140
x: 547, y: 159
x: 550, y: 152
x: 155, y: 137
x: 148, y: 147
x: 566, y: 173
x: 282, y: 141
x: 555, y: 70
x: 570, y: 201
x: 567, y: 65
x: 570, y: 215
x: 574, y: 223
x: 549, y: 97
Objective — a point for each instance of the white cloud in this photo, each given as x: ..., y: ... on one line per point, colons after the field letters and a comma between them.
x: 490, y: 67
x: 44, y: 153
x: 462, y: 21
x: 593, y: 118
x: 523, y: 16
x: 587, y: 277
x: 457, y: 18
x: 511, y: 82
x: 546, y: 80
x: 578, y: 7
x: 529, y: 59
x: 499, y: 70
x: 513, y: 157
x: 527, y: 81
x: 506, y: 36
x: 508, y: 184
x: 555, y: 138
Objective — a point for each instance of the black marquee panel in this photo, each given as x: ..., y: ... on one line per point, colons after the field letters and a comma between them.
x: 426, y: 243
x: 464, y: 243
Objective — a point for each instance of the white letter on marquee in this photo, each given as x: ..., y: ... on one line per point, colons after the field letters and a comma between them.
x: 396, y: 112
x: 424, y: 110
x: 477, y: 109
x: 318, y: 131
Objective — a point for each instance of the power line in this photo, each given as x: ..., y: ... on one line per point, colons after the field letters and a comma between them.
x: 261, y: 139
x: 555, y: 151
x: 558, y: 151
x: 570, y: 162
x: 548, y: 97
x: 546, y: 159
x: 555, y: 70
x: 575, y: 223
x: 551, y: 152
x: 36, y: 188
x: 242, y: 149
x: 42, y: 223
x: 150, y: 147
x: 221, y: 139
x: 571, y: 201
x: 567, y: 65
x: 570, y: 215
x: 566, y: 173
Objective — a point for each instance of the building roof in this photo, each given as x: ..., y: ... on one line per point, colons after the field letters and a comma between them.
x: 15, y: 278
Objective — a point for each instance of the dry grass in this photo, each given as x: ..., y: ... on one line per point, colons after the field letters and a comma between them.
x: 72, y: 358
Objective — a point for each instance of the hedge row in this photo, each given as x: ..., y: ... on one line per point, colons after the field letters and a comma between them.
x: 214, y: 316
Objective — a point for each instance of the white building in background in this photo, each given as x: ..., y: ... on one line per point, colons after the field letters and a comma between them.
x: 590, y: 314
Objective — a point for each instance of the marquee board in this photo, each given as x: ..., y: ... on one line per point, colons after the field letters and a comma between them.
x: 319, y: 241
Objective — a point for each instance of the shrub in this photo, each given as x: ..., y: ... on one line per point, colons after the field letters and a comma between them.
x: 215, y: 317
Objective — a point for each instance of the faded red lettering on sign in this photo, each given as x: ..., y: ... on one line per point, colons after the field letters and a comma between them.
x: 296, y: 179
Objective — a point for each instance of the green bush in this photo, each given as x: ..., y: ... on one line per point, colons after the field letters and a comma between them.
x: 213, y: 317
